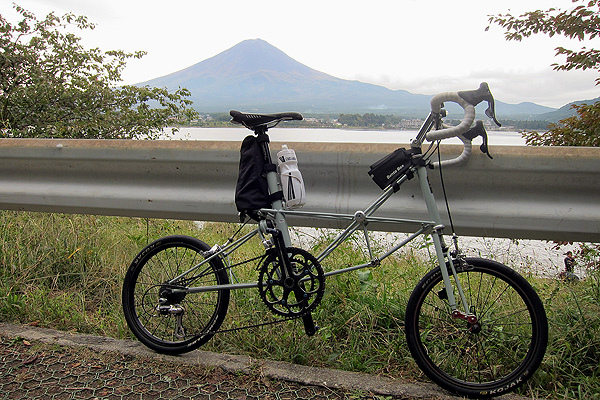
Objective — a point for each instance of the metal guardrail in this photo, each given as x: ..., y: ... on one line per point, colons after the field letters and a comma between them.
x: 548, y: 193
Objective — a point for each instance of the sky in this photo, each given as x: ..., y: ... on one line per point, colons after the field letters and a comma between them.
x: 425, y: 47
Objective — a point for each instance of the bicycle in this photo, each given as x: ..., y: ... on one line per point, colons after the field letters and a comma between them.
x: 474, y: 326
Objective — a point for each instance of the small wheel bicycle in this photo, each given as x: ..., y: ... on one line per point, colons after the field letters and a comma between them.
x: 474, y: 326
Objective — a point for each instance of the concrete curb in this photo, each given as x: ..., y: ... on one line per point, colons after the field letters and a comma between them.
x: 232, y: 363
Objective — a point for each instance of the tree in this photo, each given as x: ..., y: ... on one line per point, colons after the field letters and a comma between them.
x: 580, y: 23
x: 583, y: 22
x: 51, y: 86
x: 580, y: 130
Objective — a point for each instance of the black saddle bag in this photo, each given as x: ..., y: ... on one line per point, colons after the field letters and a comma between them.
x: 251, y: 191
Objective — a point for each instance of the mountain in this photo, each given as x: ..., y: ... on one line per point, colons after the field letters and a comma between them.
x: 254, y: 75
x: 565, y: 111
x: 525, y: 110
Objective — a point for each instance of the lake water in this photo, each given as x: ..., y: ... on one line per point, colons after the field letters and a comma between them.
x: 496, y: 138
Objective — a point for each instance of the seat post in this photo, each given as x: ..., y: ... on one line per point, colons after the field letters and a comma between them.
x: 264, y: 140
x: 273, y: 182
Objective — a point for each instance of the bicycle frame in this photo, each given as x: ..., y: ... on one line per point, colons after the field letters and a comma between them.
x: 359, y: 220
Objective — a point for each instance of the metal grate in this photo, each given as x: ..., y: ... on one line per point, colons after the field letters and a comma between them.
x: 36, y: 370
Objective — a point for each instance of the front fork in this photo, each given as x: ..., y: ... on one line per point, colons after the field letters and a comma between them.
x: 444, y: 261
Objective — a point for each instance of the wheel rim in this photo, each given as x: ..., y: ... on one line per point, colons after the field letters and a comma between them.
x: 496, y: 350
x: 183, y: 318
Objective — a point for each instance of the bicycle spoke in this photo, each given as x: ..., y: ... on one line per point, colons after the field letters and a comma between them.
x: 167, y: 320
x: 458, y: 354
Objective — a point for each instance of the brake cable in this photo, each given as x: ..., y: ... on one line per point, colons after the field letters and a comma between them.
x: 454, y: 235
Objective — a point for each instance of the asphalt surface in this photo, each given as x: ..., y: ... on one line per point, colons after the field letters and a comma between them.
x: 49, y: 364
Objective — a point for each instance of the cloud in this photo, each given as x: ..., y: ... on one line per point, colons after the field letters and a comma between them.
x: 387, y: 43
x: 546, y: 86
x: 95, y: 10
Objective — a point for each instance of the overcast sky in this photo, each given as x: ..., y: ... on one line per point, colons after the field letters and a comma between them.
x: 424, y: 47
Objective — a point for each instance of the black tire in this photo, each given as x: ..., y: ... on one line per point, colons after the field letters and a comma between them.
x: 199, y: 315
x: 478, y: 361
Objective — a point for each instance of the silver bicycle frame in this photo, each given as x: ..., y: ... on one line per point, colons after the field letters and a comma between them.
x: 361, y: 218
x: 358, y: 220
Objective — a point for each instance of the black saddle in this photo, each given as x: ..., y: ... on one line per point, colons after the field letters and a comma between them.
x: 255, y: 121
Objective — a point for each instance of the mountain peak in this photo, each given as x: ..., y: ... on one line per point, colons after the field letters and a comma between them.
x: 256, y: 75
x: 247, y: 58
x: 254, y: 55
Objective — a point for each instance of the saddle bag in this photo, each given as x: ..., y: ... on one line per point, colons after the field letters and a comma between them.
x: 251, y: 191
x: 391, y: 167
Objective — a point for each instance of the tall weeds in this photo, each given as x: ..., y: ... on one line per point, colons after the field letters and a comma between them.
x: 571, y: 367
x: 66, y: 271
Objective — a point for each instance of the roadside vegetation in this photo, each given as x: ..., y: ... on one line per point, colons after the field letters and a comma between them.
x: 52, y: 86
x: 65, y: 272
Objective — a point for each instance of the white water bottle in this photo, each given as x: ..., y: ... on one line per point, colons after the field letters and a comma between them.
x: 291, y: 178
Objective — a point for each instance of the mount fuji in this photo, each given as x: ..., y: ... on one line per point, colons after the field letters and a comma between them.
x: 256, y: 76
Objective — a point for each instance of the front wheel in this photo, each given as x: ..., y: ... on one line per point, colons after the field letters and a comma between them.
x: 486, y: 359
x: 158, y: 311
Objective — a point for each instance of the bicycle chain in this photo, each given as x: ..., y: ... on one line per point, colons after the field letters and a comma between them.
x: 255, y: 325
x: 306, y: 276
x: 258, y: 266
x: 229, y: 267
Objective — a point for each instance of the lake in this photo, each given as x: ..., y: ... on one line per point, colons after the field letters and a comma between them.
x: 234, y: 134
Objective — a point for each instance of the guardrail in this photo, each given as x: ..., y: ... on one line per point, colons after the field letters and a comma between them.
x: 548, y: 193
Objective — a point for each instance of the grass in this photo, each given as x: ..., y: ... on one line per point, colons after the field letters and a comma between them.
x: 66, y: 271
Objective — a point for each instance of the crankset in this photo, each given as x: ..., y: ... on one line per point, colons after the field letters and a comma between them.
x: 295, y: 291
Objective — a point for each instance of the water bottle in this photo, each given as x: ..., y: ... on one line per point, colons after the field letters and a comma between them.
x: 291, y: 178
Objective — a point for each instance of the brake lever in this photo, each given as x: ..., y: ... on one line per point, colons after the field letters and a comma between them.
x: 479, y: 130
x: 475, y: 97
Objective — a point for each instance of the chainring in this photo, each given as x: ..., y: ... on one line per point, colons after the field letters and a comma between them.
x: 295, y: 295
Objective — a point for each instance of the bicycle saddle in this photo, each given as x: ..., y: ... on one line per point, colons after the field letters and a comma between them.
x: 253, y: 120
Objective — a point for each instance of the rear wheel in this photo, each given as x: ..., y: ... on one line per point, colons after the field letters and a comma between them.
x: 489, y: 358
x: 167, y: 321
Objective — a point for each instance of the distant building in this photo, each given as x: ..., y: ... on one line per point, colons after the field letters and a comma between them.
x: 410, y: 123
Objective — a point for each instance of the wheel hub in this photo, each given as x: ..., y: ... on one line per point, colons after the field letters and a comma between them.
x: 166, y: 292
x: 169, y: 303
x: 474, y: 328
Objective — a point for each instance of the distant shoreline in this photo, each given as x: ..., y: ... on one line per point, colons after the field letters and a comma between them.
x: 234, y: 133
x: 491, y: 128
